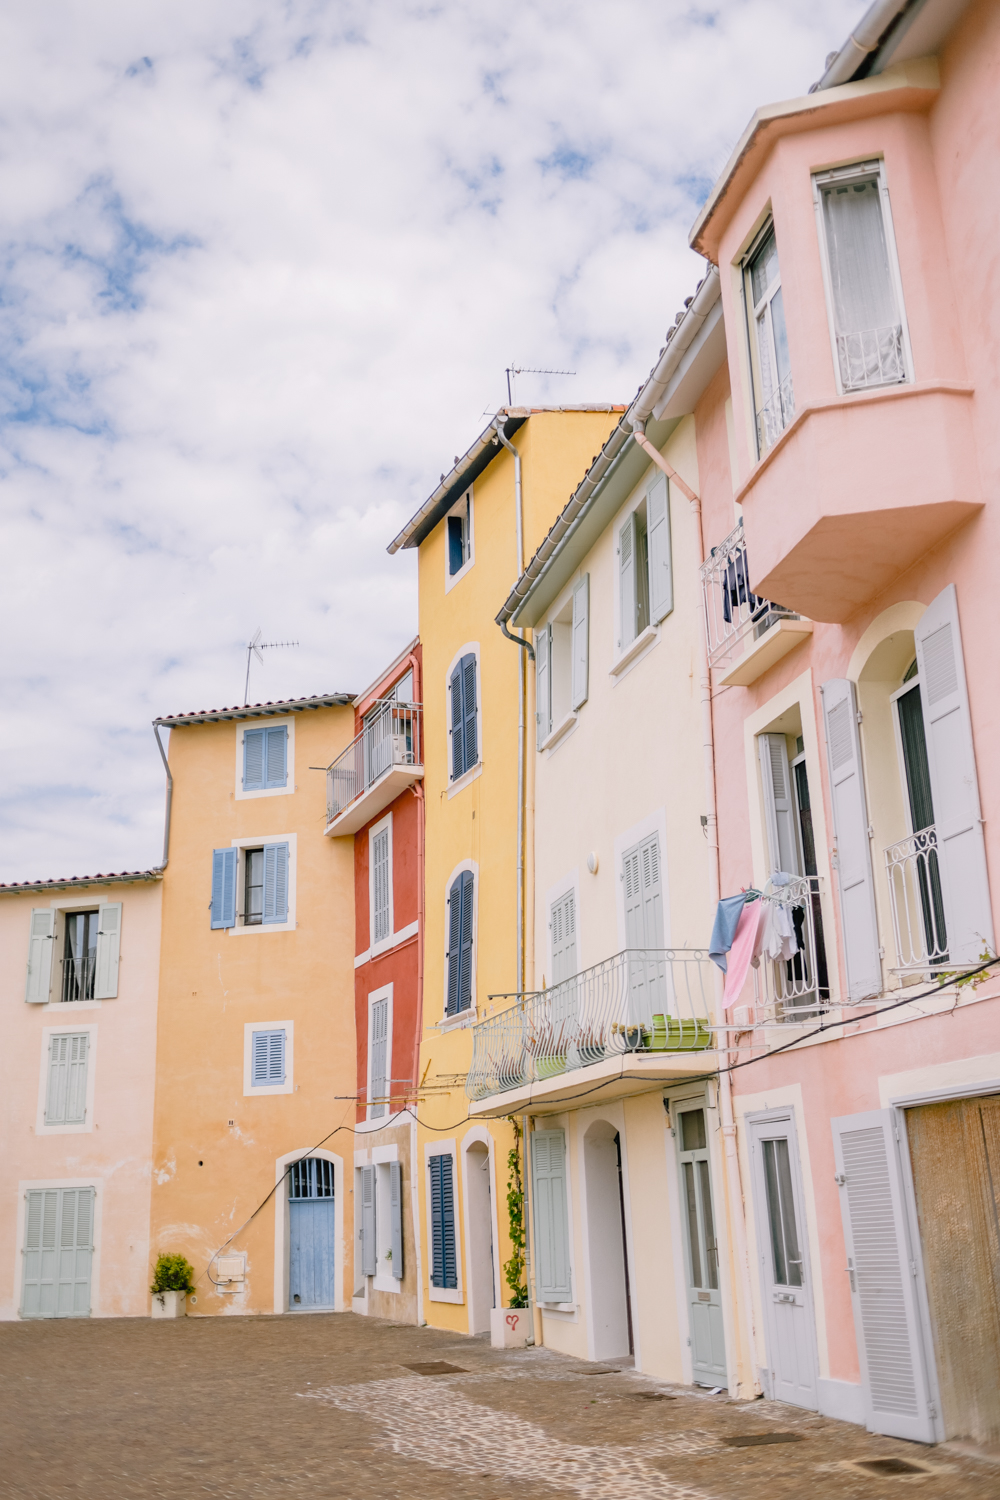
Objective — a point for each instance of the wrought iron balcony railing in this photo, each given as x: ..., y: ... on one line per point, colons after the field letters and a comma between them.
x: 796, y: 986
x: 392, y: 736
x: 78, y: 978
x: 775, y: 415
x: 917, y: 903
x: 641, y: 1001
x: 874, y: 357
x: 733, y: 615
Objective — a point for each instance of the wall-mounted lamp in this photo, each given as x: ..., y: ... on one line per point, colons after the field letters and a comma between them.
x: 592, y: 862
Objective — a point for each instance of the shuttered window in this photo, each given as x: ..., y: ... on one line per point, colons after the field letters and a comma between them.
x: 779, y: 804
x: 850, y: 821
x: 580, y: 671
x: 661, y: 577
x: 66, y: 1095
x: 381, y: 887
x: 369, y: 1256
x: 267, y: 1063
x: 275, y: 883
x: 551, y: 1217
x: 444, y: 1263
x: 626, y: 583
x: 396, y: 1219
x: 643, y: 894
x: 109, y: 925
x: 460, y: 942
x: 543, y: 684
x: 58, y: 1252
x: 464, y: 717
x: 265, y: 758
x: 224, y: 887
x: 563, y: 926
x: 41, y: 940
x: 378, y: 1046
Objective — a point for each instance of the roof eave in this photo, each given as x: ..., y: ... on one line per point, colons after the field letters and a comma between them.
x: 81, y: 882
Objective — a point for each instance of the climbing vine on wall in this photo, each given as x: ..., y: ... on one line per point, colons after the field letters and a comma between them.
x: 514, y: 1268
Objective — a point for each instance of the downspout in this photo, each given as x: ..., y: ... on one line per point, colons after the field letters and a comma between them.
x: 418, y: 792
x: 734, y: 1182
x: 170, y: 798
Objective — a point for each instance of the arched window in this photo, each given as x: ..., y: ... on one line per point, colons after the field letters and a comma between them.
x: 460, y: 932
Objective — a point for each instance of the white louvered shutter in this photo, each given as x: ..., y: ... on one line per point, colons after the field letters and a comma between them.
x: 109, y: 934
x: 396, y: 1218
x: 368, y: 1221
x: 381, y: 913
x: 377, y: 1066
x: 553, y: 1282
x: 275, y: 883
x: 850, y: 822
x: 41, y: 941
x: 652, y: 892
x: 543, y: 684
x: 635, y: 936
x: 779, y: 806
x: 75, y: 1253
x: 954, y: 784
x: 563, y: 918
x: 38, y: 1297
x: 580, y: 671
x: 253, y: 760
x: 882, y: 1266
x: 66, y: 1094
x: 661, y: 577
x: 626, y: 587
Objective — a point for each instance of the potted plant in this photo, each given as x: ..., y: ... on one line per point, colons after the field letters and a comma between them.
x: 172, y: 1280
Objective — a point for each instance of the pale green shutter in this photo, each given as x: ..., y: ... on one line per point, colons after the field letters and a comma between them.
x: 549, y: 1207
x: 850, y: 822
x: 543, y: 684
x: 626, y: 574
x: 38, y: 1298
x: 563, y: 924
x: 661, y: 574
x: 66, y: 1095
x: 58, y: 1253
x: 396, y: 1216
x: 368, y: 1221
x: 580, y: 645
x: 779, y: 810
x: 109, y: 927
x: 41, y: 941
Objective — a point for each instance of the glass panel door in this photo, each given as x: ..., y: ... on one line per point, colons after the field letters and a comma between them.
x: 708, y: 1345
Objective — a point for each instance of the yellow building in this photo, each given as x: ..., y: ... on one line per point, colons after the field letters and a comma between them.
x: 255, y: 1056
x: 473, y: 533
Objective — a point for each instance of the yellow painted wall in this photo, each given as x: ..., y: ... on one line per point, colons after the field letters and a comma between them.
x: 210, y: 1176
x: 479, y: 822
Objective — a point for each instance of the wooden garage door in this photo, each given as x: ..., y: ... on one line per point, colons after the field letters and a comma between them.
x: 955, y: 1149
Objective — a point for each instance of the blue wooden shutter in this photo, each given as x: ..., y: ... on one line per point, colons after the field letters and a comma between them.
x: 368, y: 1257
x: 259, y: 1060
x: 444, y: 1265
x: 396, y: 1217
x: 276, y: 1057
x: 275, y: 883
x: 457, y: 723
x: 224, y: 887
x: 580, y: 671
x: 465, y: 979
x: 551, y: 1219
x: 661, y: 578
x: 456, y: 544
x: 469, y: 710
x: 253, y: 760
x: 276, y: 756
x: 454, y: 945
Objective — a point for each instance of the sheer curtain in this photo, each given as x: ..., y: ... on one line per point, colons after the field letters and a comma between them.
x: 866, y: 317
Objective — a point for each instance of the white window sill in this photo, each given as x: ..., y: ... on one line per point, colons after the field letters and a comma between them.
x: 464, y: 1017
x: 450, y: 579
x: 555, y: 735
x: 70, y: 1007
x: 445, y: 1294
x: 248, y: 927
x: 558, y: 1307
x: 464, y: 780
x: 80, y: 1127
x: 646, y: 638
x: 248, y: 794
x: 404, y: 934
x: 386, y: 1283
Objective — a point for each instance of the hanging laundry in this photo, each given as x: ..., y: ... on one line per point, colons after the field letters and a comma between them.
x: 727, y: 915
x: 744, y: 944
x: 777, y: 938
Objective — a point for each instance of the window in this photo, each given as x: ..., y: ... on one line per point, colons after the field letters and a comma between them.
x: 444, y: 1260
x: 773, y: 396
x: 80, y: 955
x: 461, y: 552
x: 562, y: 662
x: 864, y: 294
x: 268, y: 1058
x: 378, y: 1055
x: 253, y: 886
x: 66, y: 1094
x: 464, y: 717
x: 645, y: 575
x: 264, y: 876
x: 90, y: 944
x: 460, y: 918
x: 380, y: 882
x: 265, y: 758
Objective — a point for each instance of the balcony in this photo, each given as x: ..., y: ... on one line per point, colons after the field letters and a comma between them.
x: 916, y: 903
x: 798, y: 988
x: 775, y: 415
x: 378, y: 764
x: 746, y: 634
x: 78, y: 978
x: 644, y: 1012
x: 858, y: 487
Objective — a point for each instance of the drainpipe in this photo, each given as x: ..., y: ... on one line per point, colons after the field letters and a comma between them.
x: 170, y: 798
x: 418, y: 792
x: 734, y: 1182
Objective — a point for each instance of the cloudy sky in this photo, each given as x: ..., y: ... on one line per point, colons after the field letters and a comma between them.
x: 264, y: 264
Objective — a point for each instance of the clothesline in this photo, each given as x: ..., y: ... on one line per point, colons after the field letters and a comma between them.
x: 748, y: 927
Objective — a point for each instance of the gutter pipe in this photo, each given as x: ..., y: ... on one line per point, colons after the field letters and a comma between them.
x: 170, y: 798
x: 863, y: 41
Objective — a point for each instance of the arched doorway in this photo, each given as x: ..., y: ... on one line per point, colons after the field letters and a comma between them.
x: 610, y: 1302
x: 479, y: 1242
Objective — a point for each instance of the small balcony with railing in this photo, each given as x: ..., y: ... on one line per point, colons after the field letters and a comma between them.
x: 916, y: 902
x: 796, y: 987
x: 78, y: 978
x: 378, y: 764
x: 746, y: 634
x: 639, y: 1016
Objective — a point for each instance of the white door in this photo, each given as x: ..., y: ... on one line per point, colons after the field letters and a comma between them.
x: 708, y: 1344
x: 784, y: 1262
x: 58, y: 1252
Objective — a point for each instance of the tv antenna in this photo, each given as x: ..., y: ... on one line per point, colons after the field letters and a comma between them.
x: 513, y: 370
x: 256, y: 647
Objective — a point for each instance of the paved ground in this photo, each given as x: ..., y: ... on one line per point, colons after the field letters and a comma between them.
x: 325, y: 1406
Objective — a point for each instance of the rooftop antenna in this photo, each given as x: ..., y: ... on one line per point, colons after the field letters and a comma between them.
x: 256, y: 647
x: 513, y: 370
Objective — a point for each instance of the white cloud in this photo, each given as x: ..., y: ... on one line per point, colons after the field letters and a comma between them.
x: 265, y: 267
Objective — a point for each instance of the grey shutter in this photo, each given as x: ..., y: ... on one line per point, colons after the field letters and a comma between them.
x: 543, y: 684
x: 368, y: 1266
x: 76, y: 1247
x: 224, y: 887
x: 626, y: 575
x: 275, y: 883
x: 635, y: 936
x: 38, y: 1298
x: 41, y: 941
x: 109, y: 932
x: 469, y: 712
x: 465, y: 980
x: 652, y: 892
x: 378, y: 1042
x: 454, y: 945
x: 66, y: 1095
x: 396, y: 1218
x: 276, y: 756
x: 253, y: 760
x: 881, y: 1264
x: 457, y: 723
x: 580, y: 645
x: 550, y: 1215
x: 850, y: 822
x: 58, y: 1252
x: 563, y: 922
x: 779, y: 808
x: 954, y: 784
x: 380, y: 887
x: 661, y: 575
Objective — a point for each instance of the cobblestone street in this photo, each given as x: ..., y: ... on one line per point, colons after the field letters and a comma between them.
x: 330, y: 1406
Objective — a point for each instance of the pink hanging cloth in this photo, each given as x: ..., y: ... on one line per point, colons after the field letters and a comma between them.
x: 742, y: 951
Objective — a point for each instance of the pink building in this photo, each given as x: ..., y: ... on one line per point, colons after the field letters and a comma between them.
x: 849, y: 462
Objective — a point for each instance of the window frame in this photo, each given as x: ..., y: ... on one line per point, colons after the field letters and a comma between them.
x: 750, y: 323
x: 288, y: 724
x: 868, y: 169
x: 242, y: 929
x: 253, y: 1090
x: 466, y: 503
x: 384, y: 825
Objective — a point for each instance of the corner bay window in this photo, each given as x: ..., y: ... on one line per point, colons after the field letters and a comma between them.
x: 774, y: 398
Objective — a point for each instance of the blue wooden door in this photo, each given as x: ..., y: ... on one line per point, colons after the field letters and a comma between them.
x: 311, y: 1254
